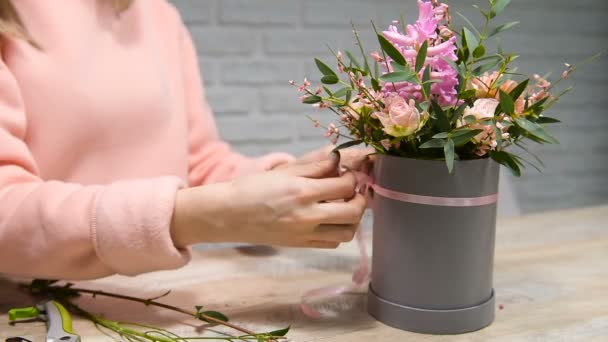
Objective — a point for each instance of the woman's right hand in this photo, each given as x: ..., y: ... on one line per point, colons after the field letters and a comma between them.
x: 302, y: 205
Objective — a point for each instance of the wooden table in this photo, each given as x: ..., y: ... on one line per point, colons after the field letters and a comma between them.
x: 551, y: 278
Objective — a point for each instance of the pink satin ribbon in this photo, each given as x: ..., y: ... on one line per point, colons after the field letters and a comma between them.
x: 362, y: 274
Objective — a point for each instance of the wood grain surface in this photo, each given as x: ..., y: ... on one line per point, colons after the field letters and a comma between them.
x: 551, y: 280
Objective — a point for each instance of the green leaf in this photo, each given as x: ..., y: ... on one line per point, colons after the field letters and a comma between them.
x: 341, y: 92
x: 214, y: 314
x: 281, y: 332
x: 503, y: 27
x: 391, y: 50
x: 349, y: 94
x: 517, y: 91
x: 348, y: 144
x: 376, y: 85
x: 506, y: 103
x: 398, y: 76
x: 399, y: 67
x: 448, y: 150
x: 535, y: 130
x: 330, y: 79
x: 462, y: 137
x: 485, y: 67
x: 479, y: 51
x: 421, y: 57
x: 434, y: 143
x: 498, y: 134
x: 498, y: 7
x: 507, y: 160
x: 472, y: 41
x: 470, y: 119
x: 442, y: 135
x: 324, y: 69
x: 442, y: 119
x: 425, y: 85
x: 469, y: 23
x: 458, y: 113
x: 353, y: 60
x: 312, y: 99
x: 467, y: 94
x: 546, y: 120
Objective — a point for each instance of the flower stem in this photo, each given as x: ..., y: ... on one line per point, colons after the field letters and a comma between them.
x: 164, y: 306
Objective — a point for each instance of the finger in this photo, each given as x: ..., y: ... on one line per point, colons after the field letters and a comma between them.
x: 337, y: 188
x: 334, y: 232
x: 316, y: 169
x: 355, y: 158
x: 349, y: 212
x: 317, y: 155
x: 305, y: 243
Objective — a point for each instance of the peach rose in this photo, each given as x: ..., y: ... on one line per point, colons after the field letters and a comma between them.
x: 401, y: 118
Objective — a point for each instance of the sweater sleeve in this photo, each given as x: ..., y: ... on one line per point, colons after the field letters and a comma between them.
x: 58, y: 230
x: 210, y: 159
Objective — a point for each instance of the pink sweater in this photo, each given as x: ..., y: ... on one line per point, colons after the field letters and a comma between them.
x: 98, y: 130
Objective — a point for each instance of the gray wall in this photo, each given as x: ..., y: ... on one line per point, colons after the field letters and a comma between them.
x: 249, y: 49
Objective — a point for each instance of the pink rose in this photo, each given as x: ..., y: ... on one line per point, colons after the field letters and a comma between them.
x: 400, y: 118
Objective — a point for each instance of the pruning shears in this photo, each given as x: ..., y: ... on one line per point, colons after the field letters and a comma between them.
x: 58, y: 321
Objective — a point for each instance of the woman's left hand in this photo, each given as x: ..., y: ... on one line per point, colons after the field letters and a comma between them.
x: 351, y: 158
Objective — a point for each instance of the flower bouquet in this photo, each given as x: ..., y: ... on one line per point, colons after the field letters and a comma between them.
x: 441, y: 113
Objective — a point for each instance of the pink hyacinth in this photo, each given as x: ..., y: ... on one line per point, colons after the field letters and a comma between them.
x: 425, y: 29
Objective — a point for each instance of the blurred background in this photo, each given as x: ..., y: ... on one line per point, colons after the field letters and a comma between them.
x: 250, y: 49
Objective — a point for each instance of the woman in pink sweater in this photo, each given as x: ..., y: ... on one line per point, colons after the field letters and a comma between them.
x: 110, y: 161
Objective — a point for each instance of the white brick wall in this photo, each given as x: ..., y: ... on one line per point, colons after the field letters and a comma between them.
x: 249, y: 49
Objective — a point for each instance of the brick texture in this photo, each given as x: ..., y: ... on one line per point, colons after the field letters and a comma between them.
x: 250, y: 49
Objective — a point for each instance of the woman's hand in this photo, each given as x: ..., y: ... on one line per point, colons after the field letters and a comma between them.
x: 353, y: 158
x: 305, y: 204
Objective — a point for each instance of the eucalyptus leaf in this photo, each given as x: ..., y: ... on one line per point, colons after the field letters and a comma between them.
x: 466, y: 20
x: 330, y: 79
x: 425, y: 85
x: 281, y: 332
x: 341, y: 92
x: 535, y: 130
x: 312, y: 99
x: 442, y: 135
x: 353, y: 59
x: 324, y: 69
x: 434, y: 143
x: 472, y: 41
x: 391, y: 50
x: 214, y: 314
x: 506, y: 103
x: 443, y: 122
x: 498, y: 7
x: 458, y: 113
x: 517, y: 91
x: 421, y: 57
x: 448, y: 150
x: 503, y: 27
x: 463, y: 138
x: 348, y: 144
x: 546, y: 120
x: 479, y: 51
x: 398, y: 76
x: 376, y: 85
x: 467, y: 94
x: 507, y: 160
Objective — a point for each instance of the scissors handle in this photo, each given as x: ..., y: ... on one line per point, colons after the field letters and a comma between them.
x: 59, y: 323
